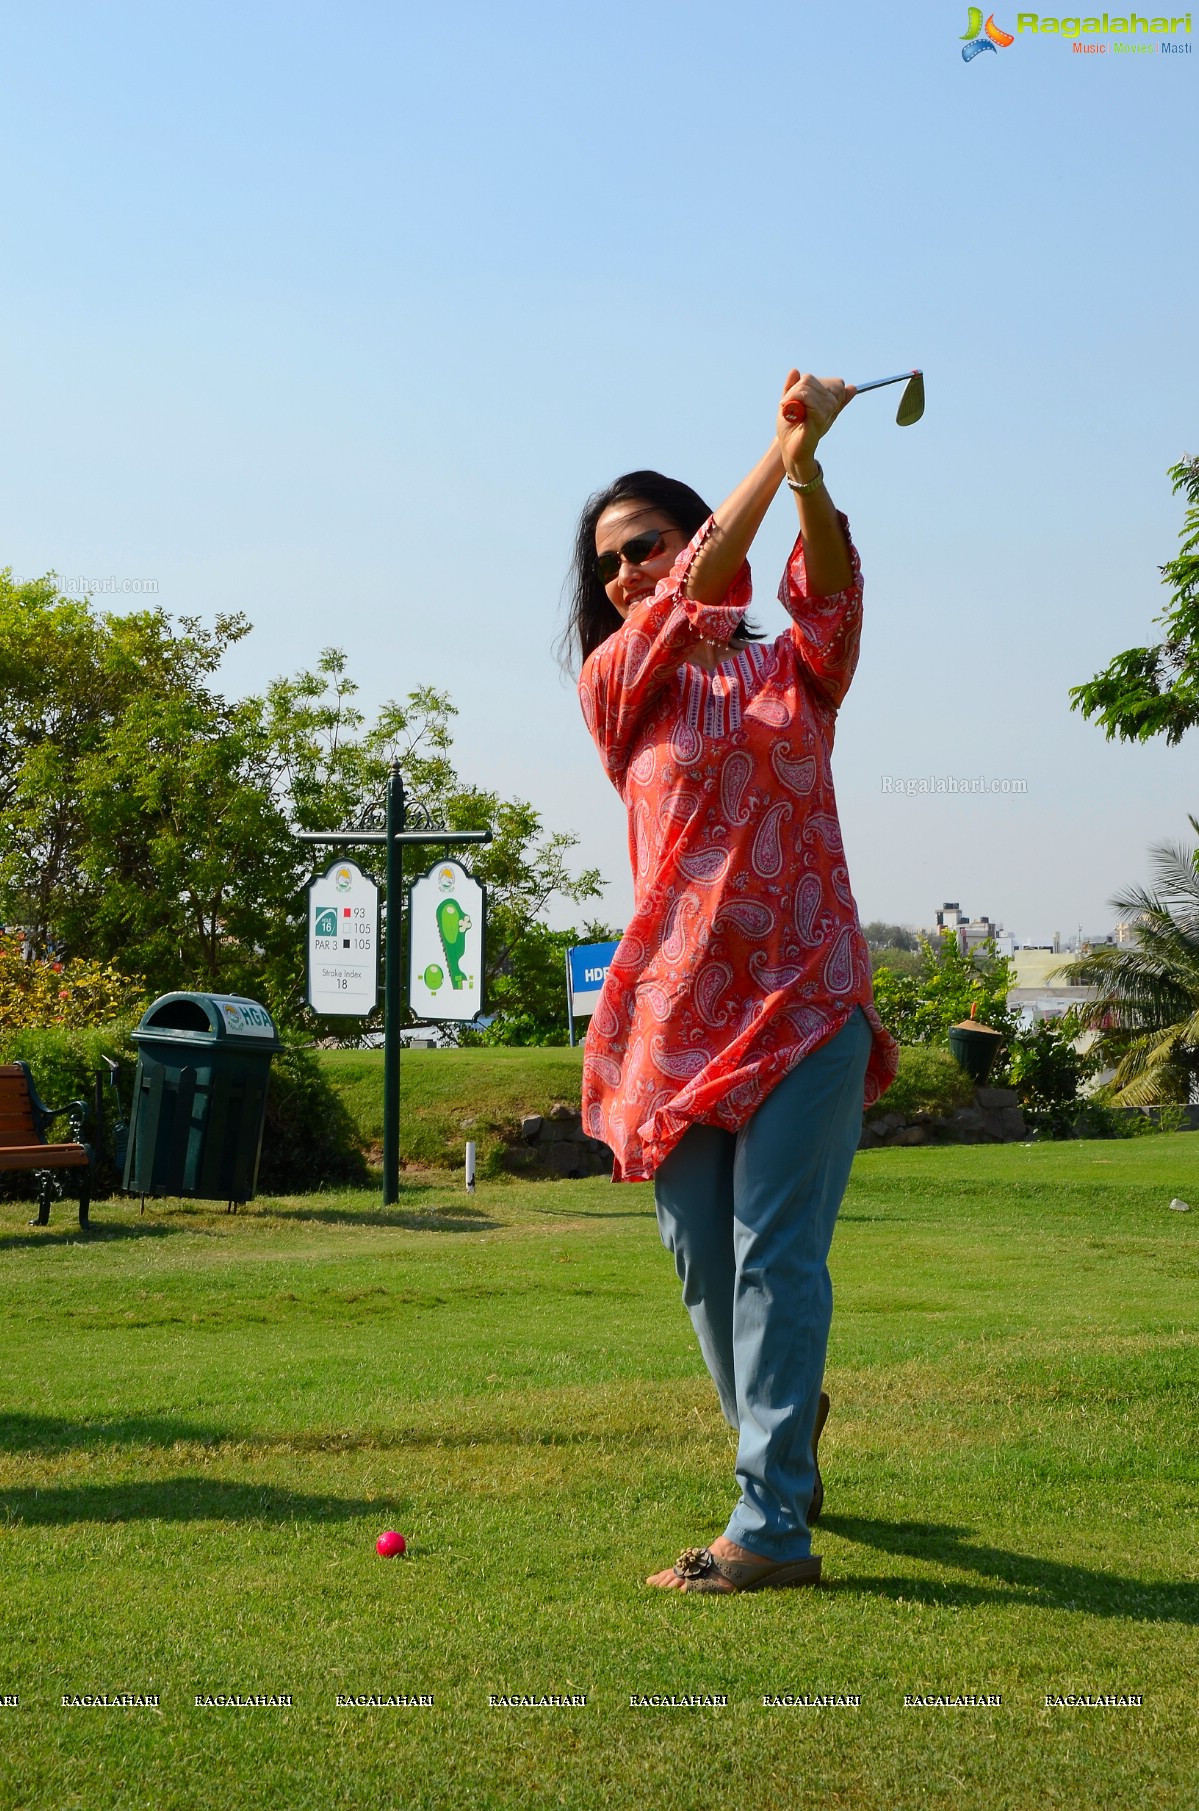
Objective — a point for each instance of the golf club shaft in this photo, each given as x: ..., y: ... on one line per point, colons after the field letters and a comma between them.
x: 880, y: 383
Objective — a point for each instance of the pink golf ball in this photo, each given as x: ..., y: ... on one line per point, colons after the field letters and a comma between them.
x: 390, y: 1544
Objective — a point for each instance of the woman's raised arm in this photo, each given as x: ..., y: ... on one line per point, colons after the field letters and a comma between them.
x: 792, y: 455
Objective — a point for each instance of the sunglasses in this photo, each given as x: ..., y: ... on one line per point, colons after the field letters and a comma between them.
x: 642, y: 547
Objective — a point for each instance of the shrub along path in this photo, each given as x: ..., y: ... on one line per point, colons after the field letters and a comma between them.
x: 207, y: 1421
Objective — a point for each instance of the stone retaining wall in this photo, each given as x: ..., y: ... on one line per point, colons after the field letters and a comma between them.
x: 555, y: 1144
x: 994, y: 1118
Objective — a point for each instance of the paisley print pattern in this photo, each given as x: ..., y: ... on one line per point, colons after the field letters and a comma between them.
x: 656, y: 1000
x: 713, y: 979
x: 642, y: 769
x: 770, y: 979
x: 766, y: 854
x: 808, y: 899
x: 772, y: 711
x: 825, y: 826
x: 735, y: 776
x: 838, y: 970
x: 744, y: 951
x: 678, y: 1063
x: 707, y: 866
x: 674, y: 929
x: 750, y: 916
x: 797, y: 776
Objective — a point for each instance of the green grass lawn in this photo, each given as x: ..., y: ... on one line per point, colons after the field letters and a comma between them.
x: 206, y: 1420
x: 448, y: 1096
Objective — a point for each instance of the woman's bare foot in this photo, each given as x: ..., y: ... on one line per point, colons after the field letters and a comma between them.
x: 720, y: 1549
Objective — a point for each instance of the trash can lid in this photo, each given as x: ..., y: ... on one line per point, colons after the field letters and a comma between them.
x: 208, y: 1019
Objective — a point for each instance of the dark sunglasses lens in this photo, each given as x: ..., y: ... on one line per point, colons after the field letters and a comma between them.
x: 642, y: 547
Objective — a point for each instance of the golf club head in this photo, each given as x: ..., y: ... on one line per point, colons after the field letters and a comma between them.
x: 911, y: 403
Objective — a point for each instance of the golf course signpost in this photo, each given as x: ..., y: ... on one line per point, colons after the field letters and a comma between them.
x: 447, y: 913
x: 343, y: 942
x: 353, y: 964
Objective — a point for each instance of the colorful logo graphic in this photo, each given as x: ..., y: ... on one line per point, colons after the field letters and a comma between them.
x: 343, y: 880
x: 995, y: 37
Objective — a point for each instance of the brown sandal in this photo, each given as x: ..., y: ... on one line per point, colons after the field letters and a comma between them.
x: 817, y: 1503
x: 698, y: 1564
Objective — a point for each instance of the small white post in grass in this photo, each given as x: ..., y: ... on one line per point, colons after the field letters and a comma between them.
x: 470, y: 1167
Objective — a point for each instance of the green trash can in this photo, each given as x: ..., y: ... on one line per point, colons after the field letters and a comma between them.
x: 199, y: 1097
x: 975, y: 1047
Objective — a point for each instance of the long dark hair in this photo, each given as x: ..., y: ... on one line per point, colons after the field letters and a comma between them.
x: 592, y: 615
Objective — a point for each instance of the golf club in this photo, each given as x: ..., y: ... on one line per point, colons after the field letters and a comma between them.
x: 911, y: 403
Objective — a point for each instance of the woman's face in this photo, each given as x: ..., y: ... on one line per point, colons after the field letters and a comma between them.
x: 636, y: 578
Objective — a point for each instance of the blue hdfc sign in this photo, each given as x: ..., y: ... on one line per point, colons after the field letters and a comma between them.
x: 586, y: 970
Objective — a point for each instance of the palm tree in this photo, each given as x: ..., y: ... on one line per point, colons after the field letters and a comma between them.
x: 1147, y: 1007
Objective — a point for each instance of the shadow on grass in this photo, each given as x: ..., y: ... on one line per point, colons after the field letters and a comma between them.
x: 594, y: 1213
x: 97, y: 1233
x: 49, y: 1434
x: 1018, y: 1578
x: 407, y: 1219
x: 54, y: 1433
x: 175, y: 1500
x: 190, y: 1217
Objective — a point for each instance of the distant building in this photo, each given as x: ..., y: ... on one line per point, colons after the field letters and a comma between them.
x: 970, y: 932
x: 1041, y: 993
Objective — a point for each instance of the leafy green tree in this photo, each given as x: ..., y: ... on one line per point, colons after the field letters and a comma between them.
x: 880, y: 936
x: 528, y: 991
x: 1147, y: 1007
x: 1047, y: 1069
x: 921, y: 1008
x: 147, y: 823
x: 138, y: 823
x: 900, y: 962
x: 187, y: 850
x: 335, y: 764
x: 1154, y: 691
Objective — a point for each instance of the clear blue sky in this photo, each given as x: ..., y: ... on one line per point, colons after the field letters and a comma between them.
x: 336, y: 315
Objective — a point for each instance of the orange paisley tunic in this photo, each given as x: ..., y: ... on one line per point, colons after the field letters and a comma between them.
x: 744, y: 952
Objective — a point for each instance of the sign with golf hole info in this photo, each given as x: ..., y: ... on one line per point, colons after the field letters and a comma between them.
x: 446, y: 916
x: 343, y: 941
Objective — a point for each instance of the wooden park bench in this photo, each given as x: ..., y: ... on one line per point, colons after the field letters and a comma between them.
x: 24, y: 1118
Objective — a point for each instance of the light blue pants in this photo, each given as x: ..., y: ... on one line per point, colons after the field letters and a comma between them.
x: 749, y: 1218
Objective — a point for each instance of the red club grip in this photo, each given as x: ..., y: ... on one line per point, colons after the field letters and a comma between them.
x: 794, y: 411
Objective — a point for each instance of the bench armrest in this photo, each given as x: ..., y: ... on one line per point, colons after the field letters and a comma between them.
x: 76, y: 1110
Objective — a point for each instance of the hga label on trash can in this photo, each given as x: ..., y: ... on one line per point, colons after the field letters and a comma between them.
x: 243, y: 1018
x: 343, y: 941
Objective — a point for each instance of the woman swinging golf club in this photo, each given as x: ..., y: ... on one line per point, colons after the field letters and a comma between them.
x: 735, y: 1041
